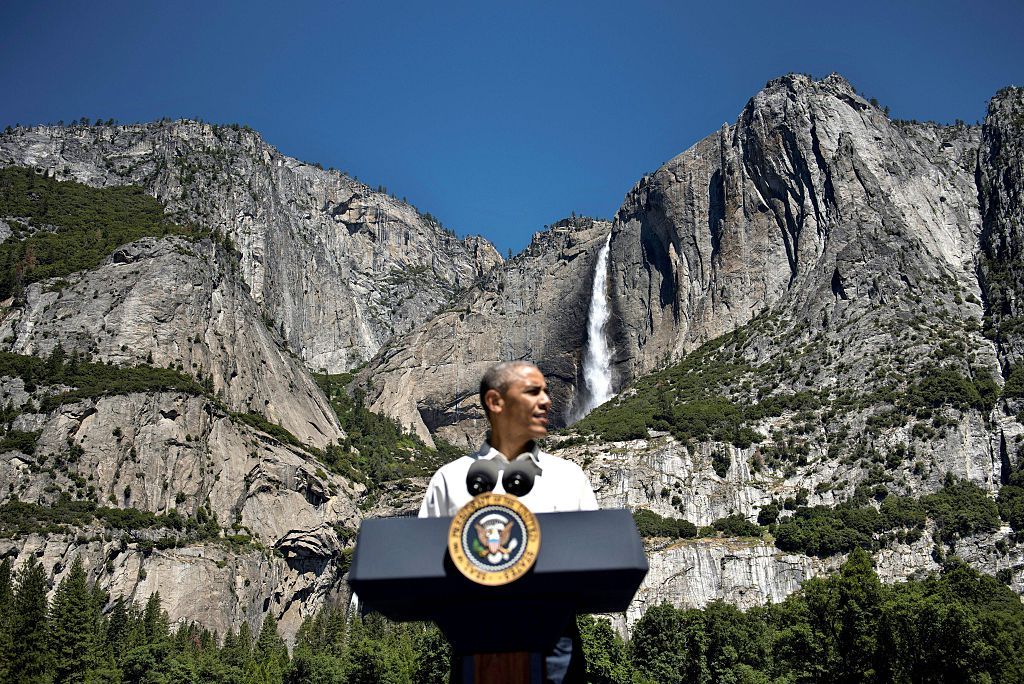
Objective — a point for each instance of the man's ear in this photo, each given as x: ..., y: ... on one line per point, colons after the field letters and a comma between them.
x: 494, y: 401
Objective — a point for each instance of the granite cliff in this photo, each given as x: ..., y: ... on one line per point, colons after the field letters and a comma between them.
x: 335, y: 266
x: 813, y: 306
x: 303, y: 269
x: 842, y: 287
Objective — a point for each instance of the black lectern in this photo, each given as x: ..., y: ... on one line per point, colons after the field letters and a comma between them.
x: 589, y: 562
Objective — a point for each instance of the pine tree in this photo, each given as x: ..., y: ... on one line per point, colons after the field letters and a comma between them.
x: 230, y: 641
x: 236, y: 655
x: 31, y: 659
x: 118, y: 629
x: 270, y: 652
x: 154, y: 620
x: 74, y: 619
x: 6, y: 610
x: 245, y: 641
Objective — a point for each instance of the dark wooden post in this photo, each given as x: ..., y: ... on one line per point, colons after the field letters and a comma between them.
x: 518, y: 667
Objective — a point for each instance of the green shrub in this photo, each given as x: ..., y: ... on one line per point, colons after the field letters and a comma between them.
x: 1014, y: 386
x: 650, y: 524
x: 818, y: 531
x: 17, y: 440
x: 91, y: 380
x: 768, y: 515
x: 961, y: 508
x: 75, y: 226
x: 376, y: 448
x: 19, y: 518
x: 1011, y: 501
x: 720, y: 463
x: 736, y: 526
x: 944, y: 387
x: 273, y: 429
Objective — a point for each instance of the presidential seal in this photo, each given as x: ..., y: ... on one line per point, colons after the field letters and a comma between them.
x: 494, y: 539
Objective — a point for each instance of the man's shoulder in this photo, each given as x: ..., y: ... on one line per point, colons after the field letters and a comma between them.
x: 459, y: 465
x: 547, y: 460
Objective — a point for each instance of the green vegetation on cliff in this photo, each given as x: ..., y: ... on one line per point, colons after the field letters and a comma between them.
x: 798, y: 398
x: 687, y: 399
x: 18, y: 518
x: 376, y: 448
x: 75, y: 379
x: 90, y: 380
x: 650, y: 524
x: 959, y: 509
x: 59, y: 228
x: 63, y: 379
x: 715, y: 394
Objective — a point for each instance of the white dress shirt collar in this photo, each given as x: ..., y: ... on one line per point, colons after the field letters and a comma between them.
x: 487, y: 451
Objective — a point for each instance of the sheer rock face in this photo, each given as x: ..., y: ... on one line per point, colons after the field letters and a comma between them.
x: 533, y: 308
x: 834, y: 242
x: 337, y: 268
x: 212, y: 585
x: 1001, y: 192
x: 162, y: 451
x: 171, y: 303
x: 813, y: 201
x: 748, y: 573
x: 852, y: 252
x: 813, y: 206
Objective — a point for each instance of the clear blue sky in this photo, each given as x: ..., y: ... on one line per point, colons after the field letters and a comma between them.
x: 496, y: 117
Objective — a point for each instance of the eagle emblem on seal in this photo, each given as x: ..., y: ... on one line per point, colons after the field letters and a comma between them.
x: 494, y: 538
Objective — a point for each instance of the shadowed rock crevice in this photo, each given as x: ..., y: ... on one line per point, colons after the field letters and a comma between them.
x: 837, y: 285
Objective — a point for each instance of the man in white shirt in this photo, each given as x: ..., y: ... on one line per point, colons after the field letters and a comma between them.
x: 515, y: 398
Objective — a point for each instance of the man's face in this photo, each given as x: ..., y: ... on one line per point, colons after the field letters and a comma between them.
x: 523, y: 407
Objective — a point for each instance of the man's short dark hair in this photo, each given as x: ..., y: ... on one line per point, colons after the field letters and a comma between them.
x: 499, y: 376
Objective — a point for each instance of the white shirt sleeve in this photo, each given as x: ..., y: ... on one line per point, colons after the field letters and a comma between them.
x: 435, y: 498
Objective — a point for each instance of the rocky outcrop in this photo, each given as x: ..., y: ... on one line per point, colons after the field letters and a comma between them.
x: 813, y: 203
x: 1000, y: 183
x: 176, y: 454
x: 176, y: 303
x: 838, y: 248
x: 213, y: 585
x: 748, y: 572
x: 534, y: 308
x: 846, y: 257
x: 335, y: 267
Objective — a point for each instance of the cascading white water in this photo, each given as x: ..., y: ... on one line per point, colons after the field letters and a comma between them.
x: 597, y: 359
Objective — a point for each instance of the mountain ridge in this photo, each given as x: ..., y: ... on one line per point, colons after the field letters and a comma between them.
x: 843, y: 287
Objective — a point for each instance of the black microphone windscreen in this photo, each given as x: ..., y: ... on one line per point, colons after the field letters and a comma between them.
x: 482, y: 476
x: 518, y: 478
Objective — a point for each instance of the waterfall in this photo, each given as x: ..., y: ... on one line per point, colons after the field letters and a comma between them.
x: 597, y: 359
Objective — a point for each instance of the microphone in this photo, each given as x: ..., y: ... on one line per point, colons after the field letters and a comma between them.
x: 518, y: 478
x: 482, y: 476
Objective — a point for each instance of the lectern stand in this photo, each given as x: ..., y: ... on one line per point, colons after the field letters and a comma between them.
x: 589, y: 562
